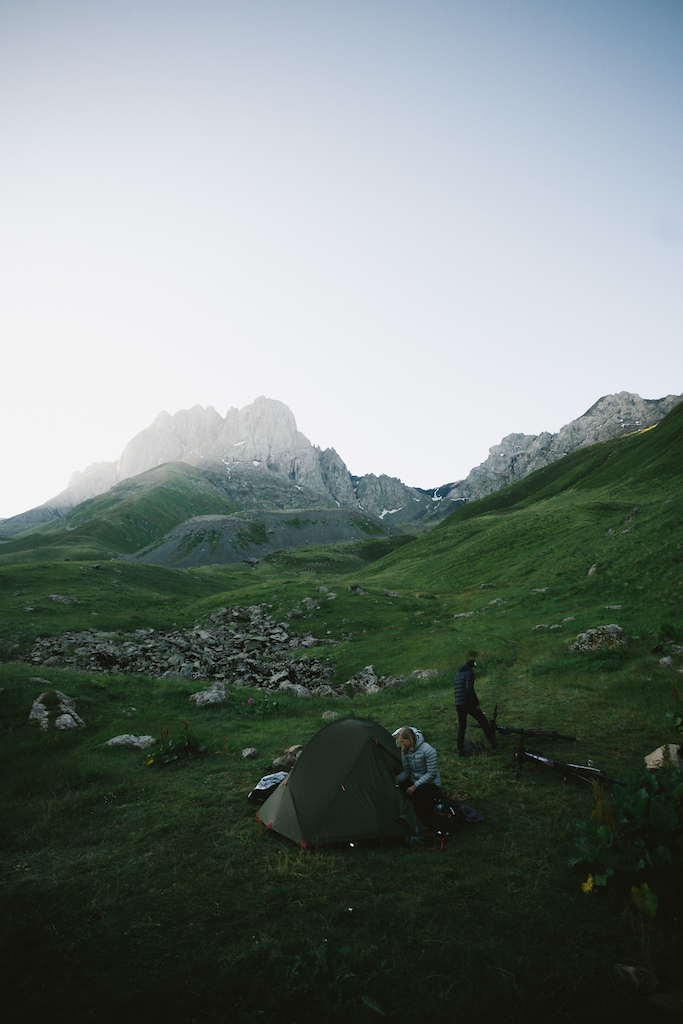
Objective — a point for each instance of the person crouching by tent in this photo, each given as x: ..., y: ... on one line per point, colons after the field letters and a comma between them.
x: 467, y: 703
x: 420, y: 779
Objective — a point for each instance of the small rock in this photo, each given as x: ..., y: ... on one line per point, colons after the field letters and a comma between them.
x: 249, y: 753
x: 128, y: 740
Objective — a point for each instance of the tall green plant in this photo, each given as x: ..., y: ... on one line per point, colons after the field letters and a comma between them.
x: 637, y: 836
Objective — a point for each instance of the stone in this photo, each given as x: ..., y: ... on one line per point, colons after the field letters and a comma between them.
x: 286, y: 761
x: 54, y: 707
x: 216, y: 694
x: 128, y: 740
x: 667, y: 754
x: 602, y: 638
x: 296, y: 688
x: 249, y: 753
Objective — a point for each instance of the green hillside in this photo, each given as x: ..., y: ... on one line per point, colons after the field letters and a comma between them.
x: 140, y: 512
x: 616, y: 506
x: 143, y: 889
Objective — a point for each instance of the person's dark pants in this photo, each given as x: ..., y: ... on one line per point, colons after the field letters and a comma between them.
x: 423, y: 799
x: 478, y: 715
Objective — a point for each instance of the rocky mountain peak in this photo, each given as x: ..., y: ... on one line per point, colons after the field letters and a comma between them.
x: 517, y: 455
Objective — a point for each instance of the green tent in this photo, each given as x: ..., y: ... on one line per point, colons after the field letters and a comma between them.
x: 343, y: 789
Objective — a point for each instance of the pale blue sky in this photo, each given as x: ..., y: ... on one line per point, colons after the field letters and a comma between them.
x: 421, y: 225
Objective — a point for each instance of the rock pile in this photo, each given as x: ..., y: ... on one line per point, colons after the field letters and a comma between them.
x: 238, y: 647
x: 602, y: 638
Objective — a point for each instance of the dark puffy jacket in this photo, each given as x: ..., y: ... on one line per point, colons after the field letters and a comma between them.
x: 463, y: 686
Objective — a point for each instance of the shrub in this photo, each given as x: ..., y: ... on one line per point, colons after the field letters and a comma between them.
x: 637, y: 836
x: 186, y: 747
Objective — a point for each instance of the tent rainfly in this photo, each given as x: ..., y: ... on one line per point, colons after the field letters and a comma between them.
x: 343, y: 789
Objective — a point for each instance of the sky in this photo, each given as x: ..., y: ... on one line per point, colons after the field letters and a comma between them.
x: 421, y: 224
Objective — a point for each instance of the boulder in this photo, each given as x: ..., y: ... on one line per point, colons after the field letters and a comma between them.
x: 602, y: 638
x: 128, y: 740
x: 54, y: 707
x: 667, y: 754
x: 216, y: 694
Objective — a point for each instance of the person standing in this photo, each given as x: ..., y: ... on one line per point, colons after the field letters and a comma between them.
x: 467, y: 703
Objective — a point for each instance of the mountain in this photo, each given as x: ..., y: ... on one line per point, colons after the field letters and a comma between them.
x: 254, y: 449
x: 605, y: 520
x: 257, y: 460
x: 517, y: 455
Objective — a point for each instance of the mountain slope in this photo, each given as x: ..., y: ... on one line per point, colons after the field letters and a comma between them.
x: 249, y: 535
x: 517, y: 455
x: 263, y: 436
x: 162, y: 517
x: 617, y: 506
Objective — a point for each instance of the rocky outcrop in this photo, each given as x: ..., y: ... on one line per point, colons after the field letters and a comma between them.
x: 259, y: 445
x: 517, y: 455
x: 54, y: 708
x: 261, y: 436
x: 237, y: 647
x: 602, y: 638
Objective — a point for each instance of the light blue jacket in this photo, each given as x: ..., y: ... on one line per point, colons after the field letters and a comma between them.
x: 420, y: 764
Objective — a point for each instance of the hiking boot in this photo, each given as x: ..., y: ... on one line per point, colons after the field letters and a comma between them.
x: 497, y: 749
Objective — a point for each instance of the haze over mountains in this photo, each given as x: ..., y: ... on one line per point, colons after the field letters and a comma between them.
x: 255, y: 448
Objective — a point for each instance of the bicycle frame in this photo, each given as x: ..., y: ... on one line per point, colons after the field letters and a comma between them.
x: 541, y: 734
x: 585, y: 772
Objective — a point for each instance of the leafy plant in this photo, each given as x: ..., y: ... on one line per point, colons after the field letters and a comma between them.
x: 636, y: 834
x: 257, y: 706
x: 186, y: 746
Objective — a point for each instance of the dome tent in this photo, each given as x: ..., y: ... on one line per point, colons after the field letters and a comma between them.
x: 343, y: 789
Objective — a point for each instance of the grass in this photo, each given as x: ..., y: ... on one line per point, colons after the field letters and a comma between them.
x: 150, y: 892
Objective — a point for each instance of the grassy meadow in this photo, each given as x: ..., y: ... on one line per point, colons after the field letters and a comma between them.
x: 148, y: 892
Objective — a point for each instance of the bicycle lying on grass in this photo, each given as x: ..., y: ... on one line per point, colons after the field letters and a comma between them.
x: 540, y: 734
x: 585, y: 772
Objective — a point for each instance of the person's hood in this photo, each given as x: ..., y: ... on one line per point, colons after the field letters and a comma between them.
x: 419, y: 738
x: 418, y: 734
x: 465, y: 668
